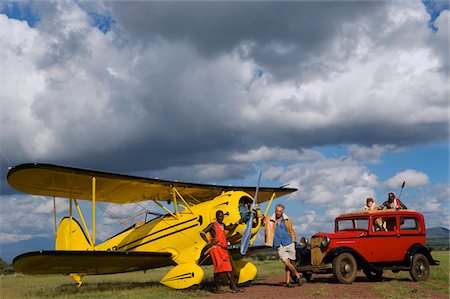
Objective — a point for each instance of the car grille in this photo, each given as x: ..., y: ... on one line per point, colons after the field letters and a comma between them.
x: 316, y: 251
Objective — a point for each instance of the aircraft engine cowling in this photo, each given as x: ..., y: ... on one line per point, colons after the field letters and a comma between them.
x: 234, y: 204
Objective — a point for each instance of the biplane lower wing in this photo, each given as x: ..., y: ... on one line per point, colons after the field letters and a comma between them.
x: 89, y: 262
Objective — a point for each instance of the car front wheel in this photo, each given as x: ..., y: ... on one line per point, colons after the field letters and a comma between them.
x: 420, y: 268
x: 345, y: 268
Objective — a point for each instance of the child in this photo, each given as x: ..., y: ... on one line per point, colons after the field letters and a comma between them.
x: 370, y: 205
x: 380, y: 225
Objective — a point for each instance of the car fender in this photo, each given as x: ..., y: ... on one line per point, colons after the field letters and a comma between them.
x: 360, y: 260
x: 419, y: 248
x: 303, y: 256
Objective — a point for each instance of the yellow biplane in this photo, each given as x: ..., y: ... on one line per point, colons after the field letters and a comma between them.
x: 170, y: 239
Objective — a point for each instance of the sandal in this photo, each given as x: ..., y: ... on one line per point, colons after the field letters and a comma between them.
x: 298, y: 281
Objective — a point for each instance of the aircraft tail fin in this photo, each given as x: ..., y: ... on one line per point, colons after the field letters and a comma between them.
x: 70, y: 236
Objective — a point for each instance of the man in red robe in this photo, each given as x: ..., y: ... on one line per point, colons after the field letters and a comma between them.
x: 219, y: 252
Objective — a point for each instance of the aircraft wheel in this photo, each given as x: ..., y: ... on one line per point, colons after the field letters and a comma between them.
x: 345, y: 268
x: 420, y: 268
x: 373, y: 275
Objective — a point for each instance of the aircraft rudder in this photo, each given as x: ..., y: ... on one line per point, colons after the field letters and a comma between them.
x: 70, y: 236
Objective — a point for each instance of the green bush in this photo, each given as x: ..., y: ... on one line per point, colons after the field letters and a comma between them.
x: 5, y: 268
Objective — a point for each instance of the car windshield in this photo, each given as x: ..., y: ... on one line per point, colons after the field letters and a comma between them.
x: 360, y: 223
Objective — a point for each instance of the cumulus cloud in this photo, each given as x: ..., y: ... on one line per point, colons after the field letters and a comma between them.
x: 434, y: 204
x: 23, y: 217
x: 368, y: 154
x: 412, y: 177
x: 311, y: 222
x: 265, y: 153
x: 171, y: 96
x: 328, y: 181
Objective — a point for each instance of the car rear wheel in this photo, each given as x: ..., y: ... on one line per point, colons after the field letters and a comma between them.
x: 345, y: 268
x: 420, y: 268
x: 373, y: 275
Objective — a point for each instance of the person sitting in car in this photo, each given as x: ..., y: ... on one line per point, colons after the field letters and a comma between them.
x: 380, y: 225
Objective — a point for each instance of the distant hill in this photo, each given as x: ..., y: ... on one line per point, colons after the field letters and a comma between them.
x: 9, y: 251
x: 438, y: 232
x: 438, y: 238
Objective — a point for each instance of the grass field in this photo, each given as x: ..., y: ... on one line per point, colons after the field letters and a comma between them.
x: 438, y: 280
x: 146, y: 285
x: 126, y: 285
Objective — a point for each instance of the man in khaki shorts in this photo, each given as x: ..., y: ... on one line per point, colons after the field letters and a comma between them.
x: 280, y: 234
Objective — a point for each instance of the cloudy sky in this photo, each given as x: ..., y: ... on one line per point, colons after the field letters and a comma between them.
x: 342, y: 100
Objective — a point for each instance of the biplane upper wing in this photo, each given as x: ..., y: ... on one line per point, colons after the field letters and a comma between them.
x: 69, y: 182
x: 88, y: 262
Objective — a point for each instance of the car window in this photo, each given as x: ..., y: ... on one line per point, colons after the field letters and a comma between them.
x: 409, y: 223
x: 384, y: 224
x: 362, y: 223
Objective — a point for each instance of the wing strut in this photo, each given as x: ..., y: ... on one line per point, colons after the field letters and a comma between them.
x: 165, y: 209
x: 175, y: 205
x: 70, y: 222
x: 54, y: 214
x: 84, y: 223
x: 268, y: 205
x: 187, y: 205
x: 93, y: 210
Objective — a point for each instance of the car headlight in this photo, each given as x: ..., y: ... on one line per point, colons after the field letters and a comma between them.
x: 303, y: 242
x: 325, y: 242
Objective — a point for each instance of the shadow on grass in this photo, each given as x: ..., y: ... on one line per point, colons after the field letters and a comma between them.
x: 117, y: 286
x: 70, y: 288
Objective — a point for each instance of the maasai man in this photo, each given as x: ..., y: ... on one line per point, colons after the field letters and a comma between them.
x: 219, y: 252
x: 393, y: 202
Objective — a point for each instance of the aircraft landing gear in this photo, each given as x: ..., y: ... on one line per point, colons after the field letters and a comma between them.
x: 77, y: 278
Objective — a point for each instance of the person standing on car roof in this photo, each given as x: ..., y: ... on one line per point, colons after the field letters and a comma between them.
x: 280, y: 234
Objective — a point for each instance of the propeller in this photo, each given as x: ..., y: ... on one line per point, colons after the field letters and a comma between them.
x: 245, y: 242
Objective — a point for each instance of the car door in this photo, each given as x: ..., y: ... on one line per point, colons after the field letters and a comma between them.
x: 381, y: 245
x: 411, y: 232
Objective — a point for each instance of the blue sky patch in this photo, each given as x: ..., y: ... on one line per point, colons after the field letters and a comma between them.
x: 434, y: 8
x: 102, y: 22
x: 22, y: 11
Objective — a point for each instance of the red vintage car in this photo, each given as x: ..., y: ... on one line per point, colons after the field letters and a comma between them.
x: 369, y: 241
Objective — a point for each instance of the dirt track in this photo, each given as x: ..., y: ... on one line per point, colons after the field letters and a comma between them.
x: 326, y: 287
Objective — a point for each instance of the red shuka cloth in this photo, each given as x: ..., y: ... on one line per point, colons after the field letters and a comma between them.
x: 219, y: 252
